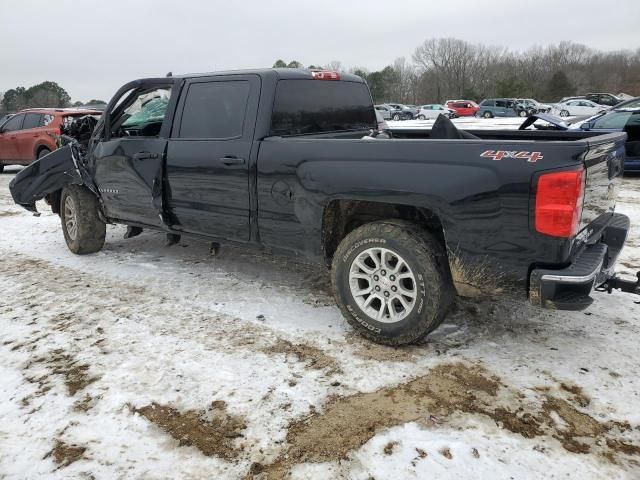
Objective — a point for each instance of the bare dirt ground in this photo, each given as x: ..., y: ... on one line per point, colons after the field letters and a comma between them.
x: 144, y: 361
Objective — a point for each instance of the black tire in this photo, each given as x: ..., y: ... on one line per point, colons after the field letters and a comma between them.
x: 1, y: 168
x: 421, y: 117
x: 487, y: 115
x: 90, y: 230
x: 43, y: 152
x: 564, y: 113
x: 523, y: 113
x: 426, y: 258
x: 396, y: 117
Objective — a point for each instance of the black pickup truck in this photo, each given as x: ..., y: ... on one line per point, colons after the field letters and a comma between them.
x: 290, y: 161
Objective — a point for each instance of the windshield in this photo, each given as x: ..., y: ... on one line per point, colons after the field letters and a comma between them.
x: 147, y: 110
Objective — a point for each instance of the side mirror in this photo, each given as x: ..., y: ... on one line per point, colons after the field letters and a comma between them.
x: 585, y: 126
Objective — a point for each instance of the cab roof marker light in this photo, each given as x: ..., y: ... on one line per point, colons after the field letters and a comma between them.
x: 325, y: 75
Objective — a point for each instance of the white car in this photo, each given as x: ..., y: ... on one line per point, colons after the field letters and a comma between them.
x: 432, y: 111
x: 577, y: 107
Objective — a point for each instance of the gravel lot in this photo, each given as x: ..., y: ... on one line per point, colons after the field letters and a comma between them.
x: 146, y: 361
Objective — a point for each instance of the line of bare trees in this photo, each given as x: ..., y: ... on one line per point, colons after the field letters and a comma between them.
x: 447, y: 68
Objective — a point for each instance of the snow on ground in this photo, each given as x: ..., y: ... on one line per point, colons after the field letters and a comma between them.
x: 145, y: 361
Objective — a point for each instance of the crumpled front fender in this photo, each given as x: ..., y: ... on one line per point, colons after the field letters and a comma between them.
x: 45, y: 176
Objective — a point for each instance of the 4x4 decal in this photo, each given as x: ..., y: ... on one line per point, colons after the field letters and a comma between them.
x: 500, y: 154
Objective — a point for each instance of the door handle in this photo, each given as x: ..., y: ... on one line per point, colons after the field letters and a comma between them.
x: 232, y: 161
x: 144, y: 155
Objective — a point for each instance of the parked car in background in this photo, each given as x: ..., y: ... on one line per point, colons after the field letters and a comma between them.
x: 534, y: 106
x: 463, y: 108
x: 620, y: 119
x: 500, y: 107
x: 30, y: 134
x: 577, y: 107
x: 401, y: 112
x: 631, y: 103
x: 607, y: 99
x: 415, y: 109
x: 384, y: 111
x: 566, y: 99
x: 432, y: 111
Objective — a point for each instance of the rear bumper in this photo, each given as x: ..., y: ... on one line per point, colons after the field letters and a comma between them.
x: 569, y: 288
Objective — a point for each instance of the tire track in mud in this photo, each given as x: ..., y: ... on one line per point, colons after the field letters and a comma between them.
x: 57, y: 306
x: 349, y: 422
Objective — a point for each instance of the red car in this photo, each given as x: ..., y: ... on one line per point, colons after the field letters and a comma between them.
x: 29, y: 134
x: 464, y: 108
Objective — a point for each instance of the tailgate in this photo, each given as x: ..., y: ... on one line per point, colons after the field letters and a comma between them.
x: 604, y: 163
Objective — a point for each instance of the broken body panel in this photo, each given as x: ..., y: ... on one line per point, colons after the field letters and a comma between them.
x: 49, y: 175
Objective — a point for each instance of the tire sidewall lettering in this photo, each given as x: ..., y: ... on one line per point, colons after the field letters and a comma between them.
x: 360, y: 243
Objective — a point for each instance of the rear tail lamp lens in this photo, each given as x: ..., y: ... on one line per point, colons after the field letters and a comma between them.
x: 559, y: 198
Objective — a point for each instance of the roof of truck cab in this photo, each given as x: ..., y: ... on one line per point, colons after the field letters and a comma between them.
x: 283, y: 73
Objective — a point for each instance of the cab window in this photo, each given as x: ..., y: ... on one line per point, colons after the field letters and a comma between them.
x: 32, y: 120
x: 14, y: 123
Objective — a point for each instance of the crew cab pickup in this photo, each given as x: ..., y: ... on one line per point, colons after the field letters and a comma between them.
x: 291, y: 161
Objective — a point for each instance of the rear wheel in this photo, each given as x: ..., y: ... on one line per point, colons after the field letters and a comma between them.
x: 43, y: 152
x: 564, y: 113
x: 396, y: 117
x: 83, y: 230
x: 522, y: 113
x: 487, y: 115
x: 392, y: 281
x: 421, y: 117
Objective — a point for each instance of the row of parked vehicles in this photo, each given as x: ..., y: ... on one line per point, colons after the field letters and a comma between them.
x: 589, y: 104
x: 31, y: 134
x: 450, y: 109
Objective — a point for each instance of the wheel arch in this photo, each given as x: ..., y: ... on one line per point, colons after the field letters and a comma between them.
x: 342, y: 216
x: 39, y: 147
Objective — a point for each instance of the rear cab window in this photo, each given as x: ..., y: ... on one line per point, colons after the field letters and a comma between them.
x: 318, y: 106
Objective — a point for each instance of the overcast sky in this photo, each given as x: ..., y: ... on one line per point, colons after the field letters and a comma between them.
x: 91, y: 48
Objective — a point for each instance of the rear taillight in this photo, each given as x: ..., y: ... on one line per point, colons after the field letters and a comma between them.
x: 559, y: 199
x: 325, y: 75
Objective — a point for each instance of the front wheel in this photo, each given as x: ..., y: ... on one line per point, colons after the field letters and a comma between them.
x: 564, y: 113
x: 1, y: 168
x: 522, y: 113
x: 487, y: 115
x: 421, y: 117
x: 82, y: 227
x: 43, y: 152
x: 396, y: 117
x: 392, y: 282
